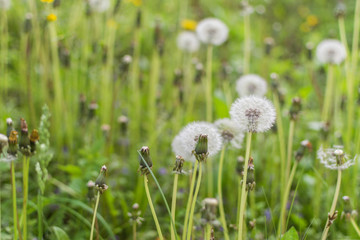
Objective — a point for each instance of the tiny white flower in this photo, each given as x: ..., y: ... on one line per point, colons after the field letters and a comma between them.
x: 335, y: 158
x: 230, y: 132
x: 251, y: 84
x: 185, y: 142
x: 212, y: 31
x: 253, y: 114
x: 99, y: 5
x: 5, y: 4
x: 188, y: 42
x: 331, y: 51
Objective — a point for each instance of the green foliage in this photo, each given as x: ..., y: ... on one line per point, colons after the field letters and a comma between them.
x: 291, y: 234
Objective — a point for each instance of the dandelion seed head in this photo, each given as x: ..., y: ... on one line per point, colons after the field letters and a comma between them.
x: 185, y: 142
x: 230, y: 132
x: 331, y: 51
x: 5, y: 4
x: 251, y: 84
x: 335, y: 158
x: 253, y: 114
x: 188, y: 42
x: 212, y: 31
x: 99, y: 5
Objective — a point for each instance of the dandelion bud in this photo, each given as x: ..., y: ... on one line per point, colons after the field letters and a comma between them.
x: 91, y: 195
x: 250, y: 178
x: 179, y: 163
x: 92, y: 109
x: 125, y: 63
x: 5, y: 4
x: 295, y: 108
x: 332, y: 218
x: 100, y: 180
x: 3, y: 142
x: 145, y: 156
x: 123, y: 122
x: 13, y: 143
x: 28, y: 23
x: 309, y: 49
x: 10, y: 126
x: 340, y: 9
x: 201, y: 148
x: 24, y: 141
x: 299, y: 154
x: 34, y: 138
x: 252, y: 223
x: 348, y: 211
x: 210, y: 206
x: 269, y: 43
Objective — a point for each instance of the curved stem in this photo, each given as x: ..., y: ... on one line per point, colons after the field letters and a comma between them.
x: 328, y: 94
x: 289, y: 149
x: 152, y: 208
x: 221, y: 204
x: 356, y: 227
x: 94, y: 217
x: 173, y: 205
x: 13, y: 183
x: 191, y: 217
x: 243, y: 187
x: 188, y: 205
x: 333, y: 205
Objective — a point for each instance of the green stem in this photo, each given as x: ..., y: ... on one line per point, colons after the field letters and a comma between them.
x: 328, y: 94
x: 208, y: 232
x: 40, y: 215
x: 152, y: 208
x: 13, y: 183
x: 94, y: 217
x: 134, y: 230
x: 333, y: 205
x: 4, y: 51
x: 26, y: 190
x: 281, y: 226
x: 173, y: 205
x: 188, y: 205
x: 356, y: 227
x: 243, y: 187
x: 208, y: 83
x: 247, y: 43
x: 221, y: 204
x: 289, y: 149
x: 191, y: 217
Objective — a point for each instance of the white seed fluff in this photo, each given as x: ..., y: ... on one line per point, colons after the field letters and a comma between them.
x: 188, y: 42
x: 5, y: 4
x: 331, y: 51
x: 212, y: 31
x: 251, y: 84
x: 253, y: 114
x: 99, y: 5
x: 328, y: 158
x: 185, y: 142
x: 230, y: 132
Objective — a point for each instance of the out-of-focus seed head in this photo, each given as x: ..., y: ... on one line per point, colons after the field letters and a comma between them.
x: 187, y: 41
x: 10, y: 126
x: 331, y: 51
x: 269, y: 44
x: 230, y: 132
x: 145, y: 156
x: 99, y: 6
x: 135, y: 215
x: 295, y: 108
x: 246, y: 8
x: 340, y: 9
x: 212, y: 31
x: 100, y: 180
x: 5, y: 4
x: 251, y: 85
x: 335, y: 158
x: 3, y: 142
x: 209, y: 209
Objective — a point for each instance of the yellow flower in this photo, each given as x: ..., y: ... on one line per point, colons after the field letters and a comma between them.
x: 51, y: 17
x: 312, y: 20
x: 188, y: 24
x: 137, y: 3
x: 47, y: 1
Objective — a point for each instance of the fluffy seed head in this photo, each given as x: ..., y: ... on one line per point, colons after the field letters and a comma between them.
x: 335, y: 158
x: 251, y: 84
x: 188, y: 42
x: 230, y: 132
x: 253, y: 114
x: 185, y: 142
x: 212, y: 31
x: 5, y: 4
x: 99, y: 5
x: 331, y: 51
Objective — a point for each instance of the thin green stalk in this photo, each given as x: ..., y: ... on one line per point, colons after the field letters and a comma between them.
x: 173, y: 205
x: 243, y: 188
x: 4, y: 51
x: 152, y: 208
x: 328, y: 94
x: 26, y: 190
x: 94, y: 217
x: 191, y: 217
x: 188, y: 205
x: 221, y: 204
x: 333, y: 205
x: 247, y: 43
x: 208, y: 83
x: 13, y: 184
x: 289, y: 149
x: 238, y: 200
x: 355, y: 226
x: 281, y: 225
x: 208, y: 232
x: 40, y: 215
x: 134, y: 230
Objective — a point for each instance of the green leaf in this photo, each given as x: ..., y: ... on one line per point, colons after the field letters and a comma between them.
x: 59, y: 233
x: 290, y: 235
x: 71, y: 169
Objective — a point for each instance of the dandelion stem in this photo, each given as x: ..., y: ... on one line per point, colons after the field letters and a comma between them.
x: 243, y: 187
x: 94, y: 217
x: 281, y: 226
x: 152, y: 208
x: 289, y: 149
x: 356, y: 227
x: 191, y: 217
x: 188, y: 205
x: 134, y: 230
x: 26, y: 190
x: 333, y: 206
x: 208, y: 231
x: 221, y: 204
x: 247, y: 43
x: 173, y: 205
x: 328, y: 94
x: 13, y: 183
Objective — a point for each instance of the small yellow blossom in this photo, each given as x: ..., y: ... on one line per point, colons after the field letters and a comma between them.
x: 136, y: 3
x: 312, y: 20
x: 47, y: 1
x: 188, y: 24
x: 51, y: 17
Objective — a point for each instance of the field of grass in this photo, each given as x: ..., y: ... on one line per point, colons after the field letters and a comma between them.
x: 112, y: 119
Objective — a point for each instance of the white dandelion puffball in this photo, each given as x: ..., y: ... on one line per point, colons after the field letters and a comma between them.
x: 99, y: 5
x: 253, y: 114
x: 230, y: 132
x: 251, y: 84
x: 212, y: 31
x: 5, y: 4
x: 330, y: 51
x: 185, y: 142
x: 330, y: 158
x: 188, y: 42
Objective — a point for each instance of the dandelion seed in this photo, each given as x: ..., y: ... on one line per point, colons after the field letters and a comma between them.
x: 335, y: 158
x: 185, y: 142
x: 188, y: 42
x: 5, y: 4
x: 253, y: 114
x: 230, y: 132
x: 331, y: 51
x: 212, y: 31
x: 99, y: 5
x: 251, y: 84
